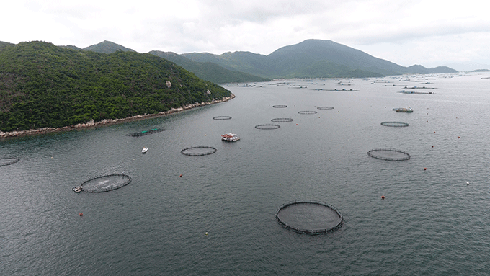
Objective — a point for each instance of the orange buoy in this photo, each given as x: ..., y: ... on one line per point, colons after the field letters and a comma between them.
x: 432, y: 146
x: 80, y: 214
x: 425, y: 169
x: 382, y: 197
x: 180, y: 175
x: 459, y: 137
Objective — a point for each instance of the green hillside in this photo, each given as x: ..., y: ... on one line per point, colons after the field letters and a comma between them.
x: 208, y: 70
x: 43, y: 85
x: 107, y: 47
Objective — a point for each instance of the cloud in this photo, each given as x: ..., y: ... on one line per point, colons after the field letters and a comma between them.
x: 405, y: 30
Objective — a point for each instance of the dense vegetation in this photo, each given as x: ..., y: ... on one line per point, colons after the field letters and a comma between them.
x: 208, y: 70
x: 43, y: 85
x: 203, y: 70
x: 107, y: 47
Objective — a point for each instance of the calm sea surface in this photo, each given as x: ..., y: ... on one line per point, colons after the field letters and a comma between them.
x: 431, y: 221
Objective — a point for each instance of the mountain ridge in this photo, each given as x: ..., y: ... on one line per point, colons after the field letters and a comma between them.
x: 330, y: 58
x: 310, y: 58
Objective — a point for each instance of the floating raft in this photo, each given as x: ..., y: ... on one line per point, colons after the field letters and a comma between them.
x: 403, y: 109
x: 415, y: 92
x: 325, y: 107
x: 267, y: 126
x: 322, y: 89
x: 419, y: 87
x: 222, y: 118
x: 146, y: 132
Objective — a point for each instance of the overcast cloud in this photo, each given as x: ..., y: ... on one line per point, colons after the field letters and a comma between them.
x: 426, y: 32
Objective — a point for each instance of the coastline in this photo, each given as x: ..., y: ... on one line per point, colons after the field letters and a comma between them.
x: 106, y: 122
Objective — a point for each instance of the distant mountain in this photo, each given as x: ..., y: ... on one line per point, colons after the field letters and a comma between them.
x: 204, y: 70
x: 73, y: 47
x: 419, y: 69
x: 312, y: 59
x: 107, y: 47
x: 207, y: 70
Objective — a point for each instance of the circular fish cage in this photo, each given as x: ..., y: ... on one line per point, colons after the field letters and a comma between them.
x: 325, y: 107
x: 284, y: 120
x: 104, y: 183
x: 267, y: 127
x: 394, y: 124
x: 8, y: 161
x: 312, y: 218
x: 198, y: 151
x: 389, y: 154
x: 222, y: 118
x: 307, y: 112
x: 280, y: 106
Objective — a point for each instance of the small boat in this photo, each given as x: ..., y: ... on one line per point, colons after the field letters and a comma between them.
x: 77, y: 189
x: 144, y: 150
x: 229, y: 137
x: 403, y: 109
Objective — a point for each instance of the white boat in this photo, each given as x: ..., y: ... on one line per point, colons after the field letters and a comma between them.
x: 77, y: 189
x: 144, y: 150
x: 403, y: 109
x: 229, y: 137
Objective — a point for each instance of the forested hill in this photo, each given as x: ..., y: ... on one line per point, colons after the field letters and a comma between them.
x: 208, y: 70
x: 204, y: 70
x: 43, y: 85
x: 107, y: 47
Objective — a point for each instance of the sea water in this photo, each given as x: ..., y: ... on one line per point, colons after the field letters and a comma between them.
x: 215, y: 214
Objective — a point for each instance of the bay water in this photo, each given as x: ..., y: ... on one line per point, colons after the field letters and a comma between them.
x: 215, y: 214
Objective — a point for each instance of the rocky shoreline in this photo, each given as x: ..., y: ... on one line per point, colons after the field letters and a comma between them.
x: 107, y: 122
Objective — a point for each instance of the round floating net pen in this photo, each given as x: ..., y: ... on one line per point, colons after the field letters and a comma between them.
x: 267, y: 127
x: 310, y: 218
x: 198, y: 151
x: 307, y: 112
x: 284, y: 120
x: 325, y: 107
x: 395, y: 124
x: 104, y: 183
x: 280, y: 106
x: 389, y: 154
x: 222, y: 118
x: 8, y: 161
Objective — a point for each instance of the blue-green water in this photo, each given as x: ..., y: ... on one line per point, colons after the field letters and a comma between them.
x: 430, y: 223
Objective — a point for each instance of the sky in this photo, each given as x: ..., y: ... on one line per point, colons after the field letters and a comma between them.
x: 425, y: 32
